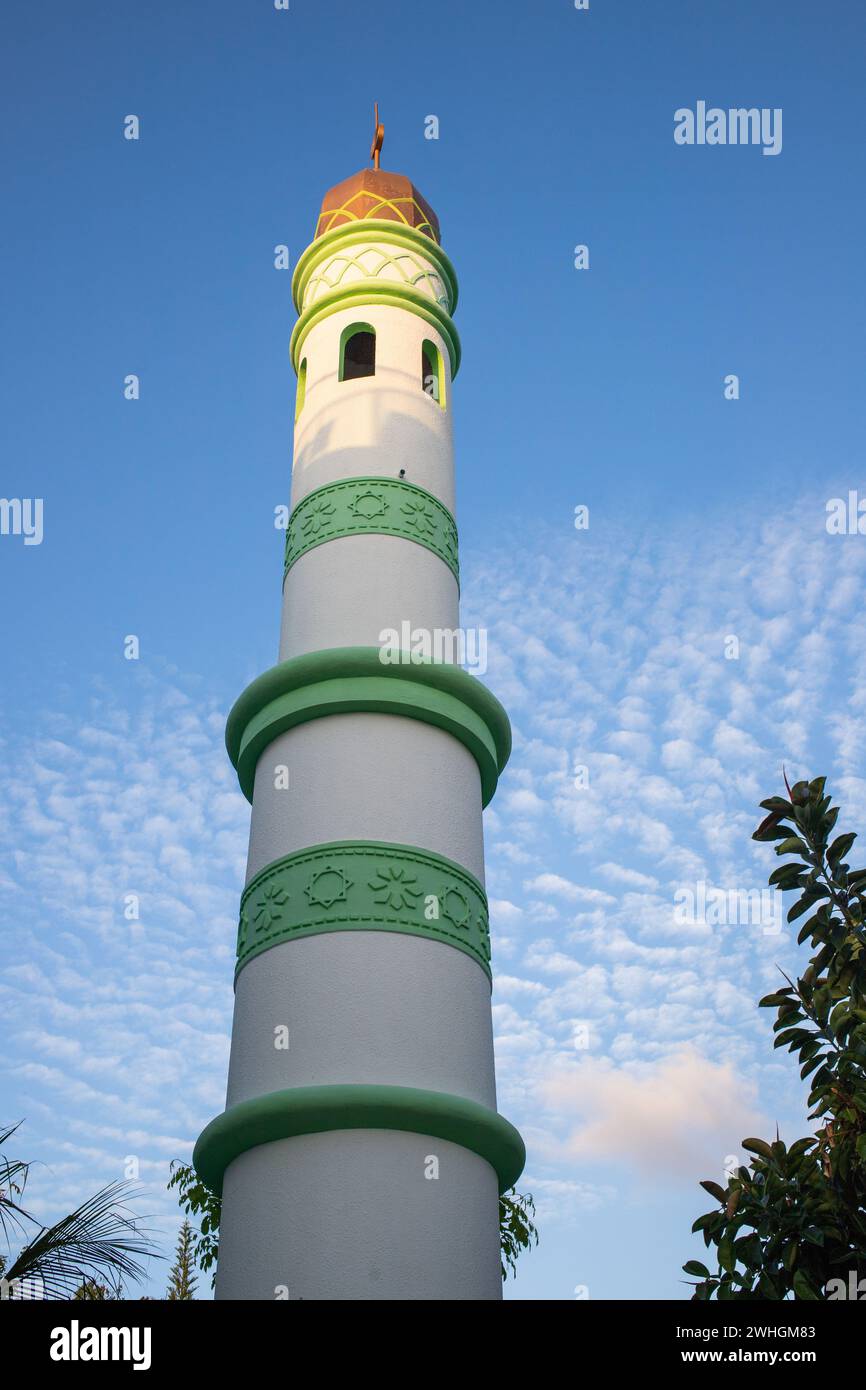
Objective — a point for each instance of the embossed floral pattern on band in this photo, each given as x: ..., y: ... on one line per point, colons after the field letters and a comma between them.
x: 364, y: 885
x: 385, y: 506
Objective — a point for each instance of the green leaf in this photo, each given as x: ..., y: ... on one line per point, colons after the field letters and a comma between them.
x: 803, y: 904
x: 757, y: 1146
x: 767, y: 1287
x: 793, y: 845
x: 839, y: 848
x: 802, y: 1287
x: 838, y: 1016
x: 810, y: 1066
x: 786, y: 876
x: 777, y: 803
x: 781, y: 996
x: 770, y: 829
x: 695, y: 1267
x: 802, y: 1146
x: 714, y: 1190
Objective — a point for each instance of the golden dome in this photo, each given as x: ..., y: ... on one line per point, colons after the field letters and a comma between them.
x: 377, y: 193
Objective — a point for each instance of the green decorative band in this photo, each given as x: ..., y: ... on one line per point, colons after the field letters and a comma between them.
x: 363, y: 885
x: 388, y: 292
x: 321, y: 1109
x: 363, y: 506
x: 372, y: 231
x: 348, y: 680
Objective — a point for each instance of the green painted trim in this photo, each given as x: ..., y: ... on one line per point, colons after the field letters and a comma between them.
x: 363, y: 885
x: 302, y: 389
x: 321, y: 1109
x: 345, y: 680
x: 390, y: 294
x: 371, y: 230
x: 432, y: 350
x: 372, y: 506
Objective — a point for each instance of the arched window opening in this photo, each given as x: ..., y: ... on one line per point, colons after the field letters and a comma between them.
x: 302, y: 388
x: 357, y: 352
x: 433, y: 372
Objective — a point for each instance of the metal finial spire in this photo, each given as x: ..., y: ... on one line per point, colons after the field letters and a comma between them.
x: 378, y: 137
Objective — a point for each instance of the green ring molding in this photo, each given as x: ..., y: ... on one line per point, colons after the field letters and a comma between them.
x: 363, y: 885
x: 348, y: 680
x: 394, y: 508
x: 371, y: 230
x: 320, y: 1109
x: 387, y: 292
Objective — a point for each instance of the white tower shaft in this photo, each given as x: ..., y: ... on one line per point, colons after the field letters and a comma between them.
x: 360, y: 1154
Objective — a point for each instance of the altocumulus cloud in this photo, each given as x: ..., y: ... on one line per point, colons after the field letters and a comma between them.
x: 608, y: 651
x: 124, y: 837
x: 642, y: 750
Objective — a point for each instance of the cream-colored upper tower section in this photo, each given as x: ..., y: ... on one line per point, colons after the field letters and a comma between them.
x: 375, y: 264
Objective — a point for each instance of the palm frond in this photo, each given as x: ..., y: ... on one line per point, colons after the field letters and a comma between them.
x: 100, y: 1237
x: 13, y: 1180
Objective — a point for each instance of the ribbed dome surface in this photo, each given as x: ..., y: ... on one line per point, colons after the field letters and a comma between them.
x: 379, y: 194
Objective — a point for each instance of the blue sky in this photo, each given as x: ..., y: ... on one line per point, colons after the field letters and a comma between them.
x: 601, y: 387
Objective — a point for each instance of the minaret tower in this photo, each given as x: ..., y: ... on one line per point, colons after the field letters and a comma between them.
x: 360, y: 1154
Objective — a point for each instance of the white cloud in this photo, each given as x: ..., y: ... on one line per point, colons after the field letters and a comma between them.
x: 555, y: 886
x: 524, y: 802
x: 501, y: 910
x: 678, y: 1116
x: 619, y: 874
x: 609, y: 657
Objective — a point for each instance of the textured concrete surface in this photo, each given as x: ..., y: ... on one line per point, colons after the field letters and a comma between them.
x: 350, y: 1215
x: 363, y: 1007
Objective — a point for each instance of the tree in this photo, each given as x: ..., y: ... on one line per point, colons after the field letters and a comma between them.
x: 99, y: 1239
x: 91, y: 1290
x: 793, y: 1223
x: 197, y: 1200
x: 516, y: 1228
x: 181, y: 1280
